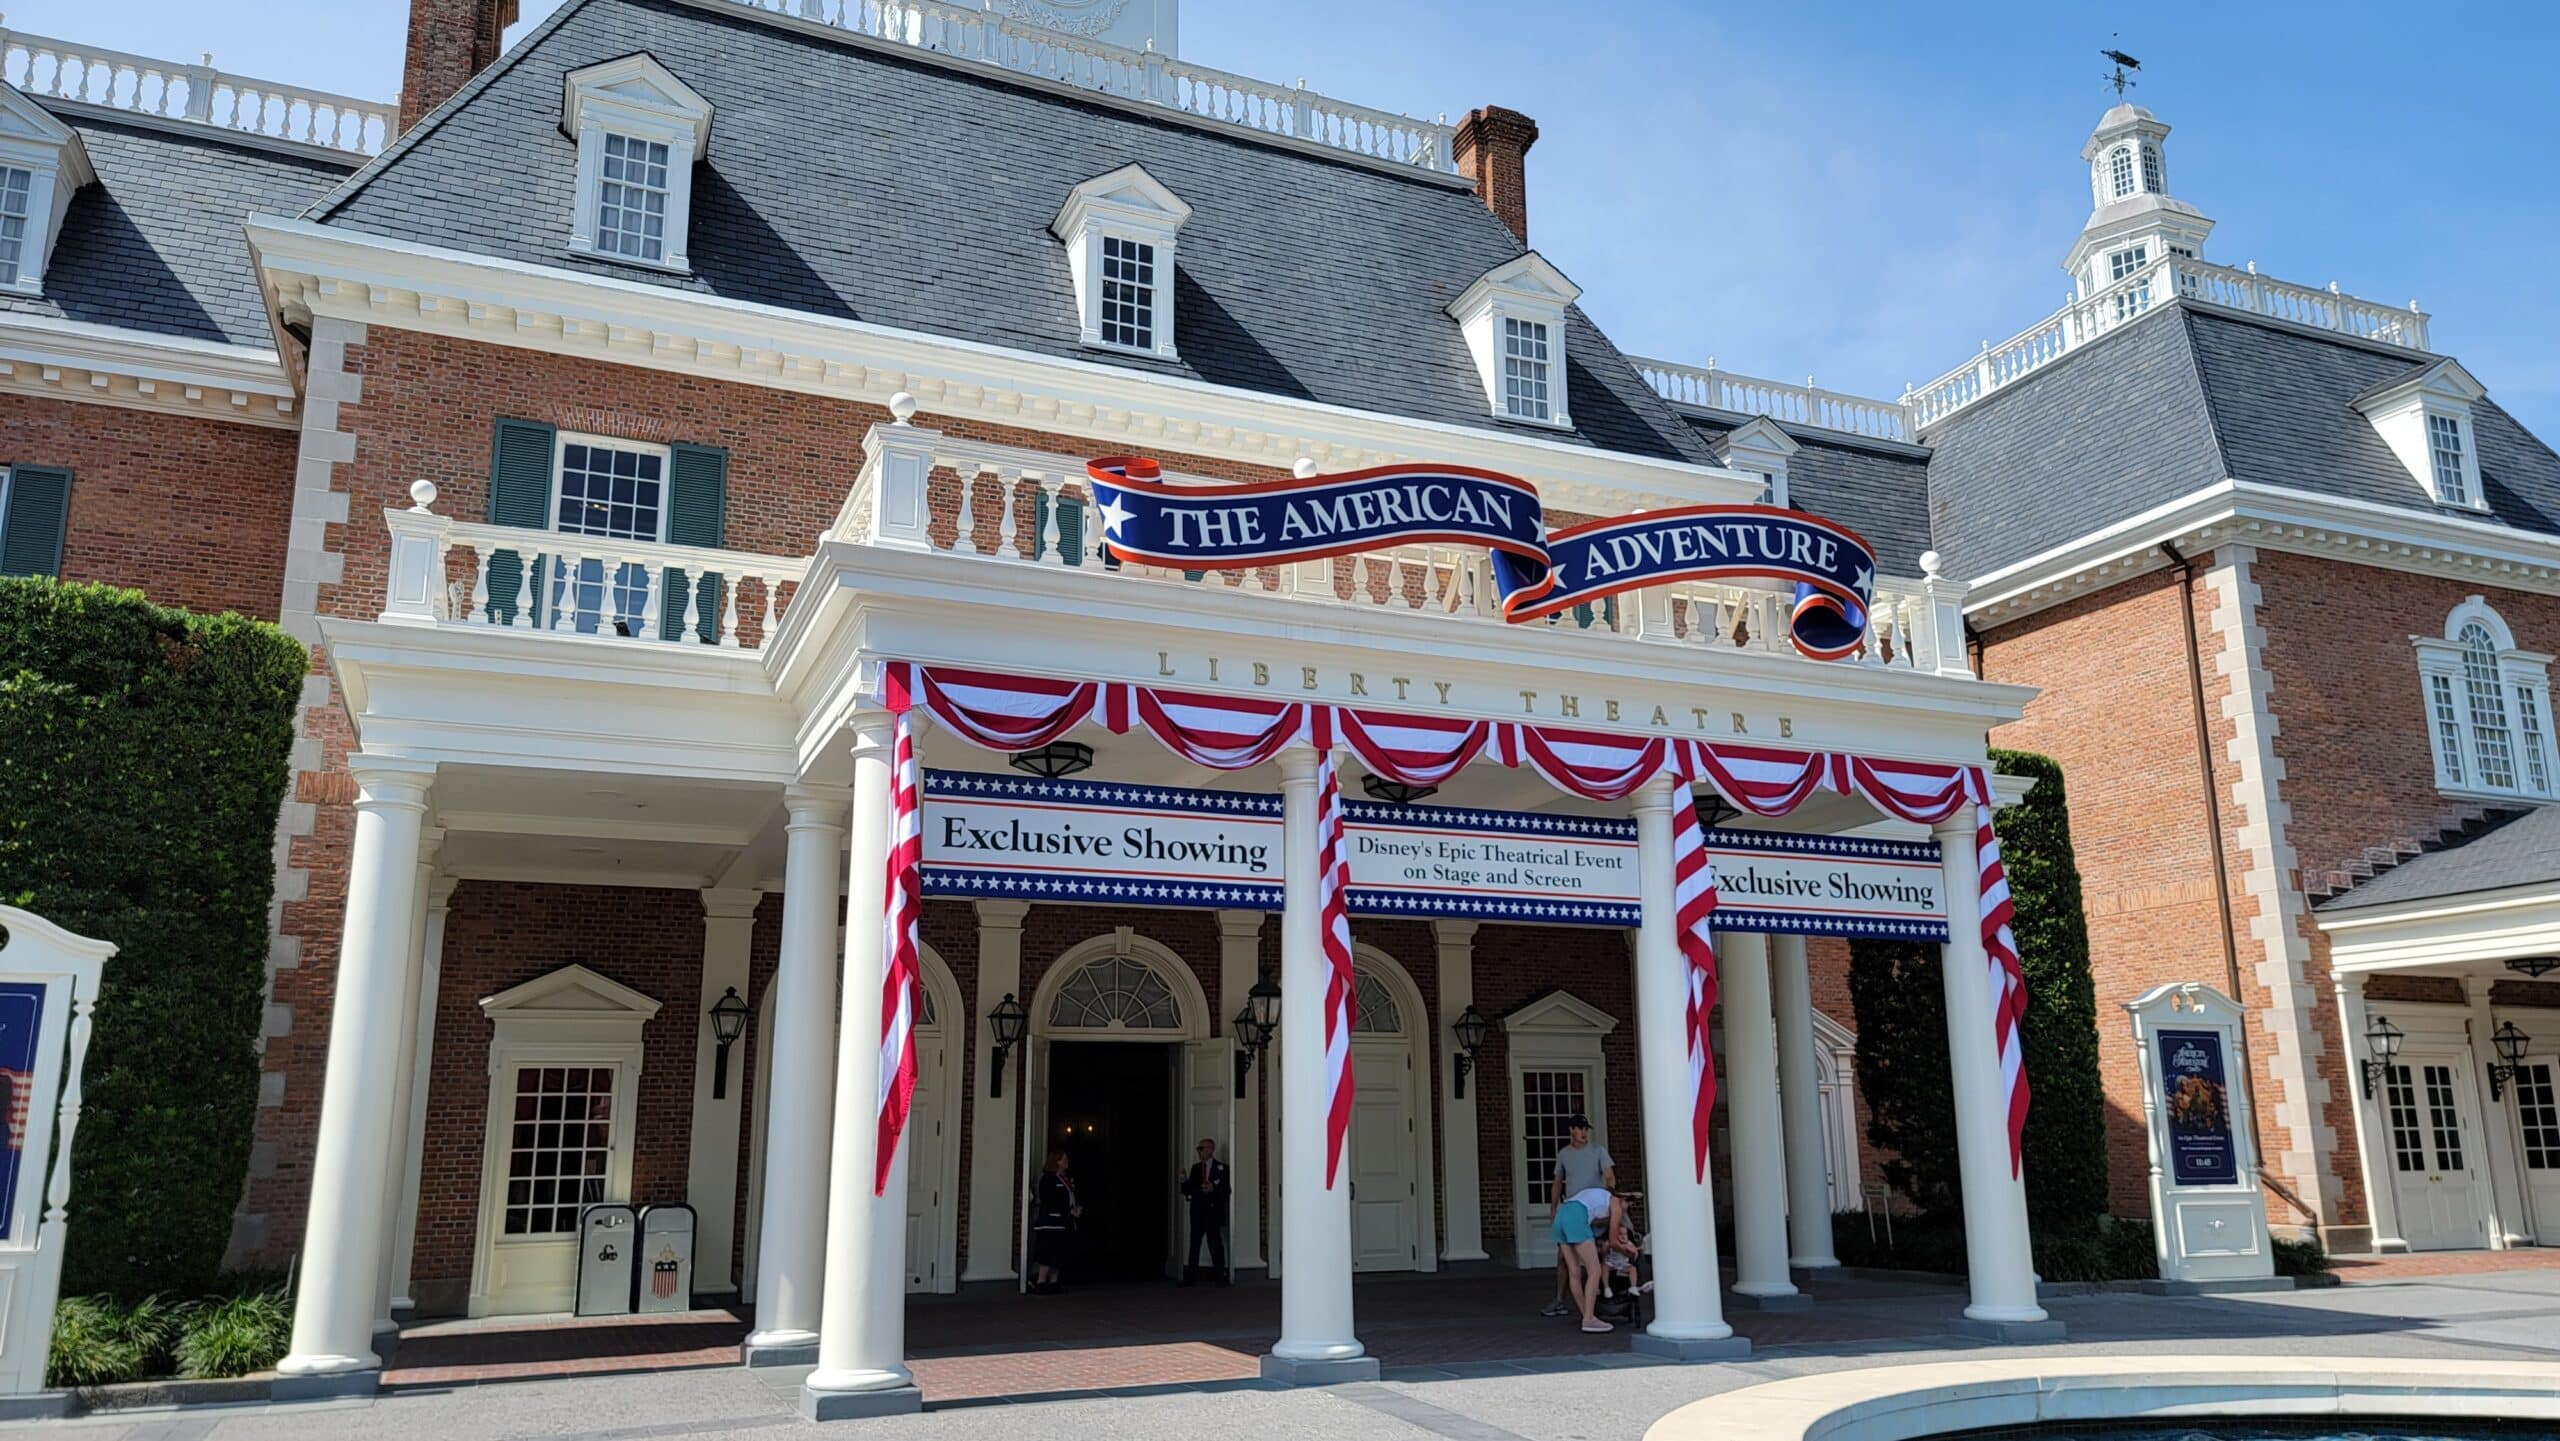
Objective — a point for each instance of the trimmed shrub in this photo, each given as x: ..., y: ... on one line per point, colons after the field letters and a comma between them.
x: 1896, y: 990
x: 138, y: 797
x: 100, y: 1341
x: 2302, y: 1258
x: 235, y: 1335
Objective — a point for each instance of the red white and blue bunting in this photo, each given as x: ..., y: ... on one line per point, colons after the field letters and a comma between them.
x: 1012, y: 713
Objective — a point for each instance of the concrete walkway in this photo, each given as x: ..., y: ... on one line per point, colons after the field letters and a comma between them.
x: 2511, y: 1314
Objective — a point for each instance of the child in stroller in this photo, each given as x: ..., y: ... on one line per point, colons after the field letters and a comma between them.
x: 1621, y: 1283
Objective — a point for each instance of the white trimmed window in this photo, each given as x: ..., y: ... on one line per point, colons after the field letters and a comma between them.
x: 2126, y: 261
x: 2426, y: 416
x: 15, y: 181
x: 2151, y: 170
x: 42, y: 165
x: 2120, y: 172
x: 639, y: 131
x: 2444, y: 453
x: 611, y: 490
x: 2488, y: 707
x: 1120, y: 229
x: 1512, y: 319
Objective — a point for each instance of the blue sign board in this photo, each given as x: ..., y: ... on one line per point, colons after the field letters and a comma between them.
x: 21, y: 1021
x: 2195, y: 1099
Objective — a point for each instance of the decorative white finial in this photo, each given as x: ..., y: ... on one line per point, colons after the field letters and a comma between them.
x: 1929, y: 564
x: 902, y: 406
x: 1305, y: 468
x: 422, y: 495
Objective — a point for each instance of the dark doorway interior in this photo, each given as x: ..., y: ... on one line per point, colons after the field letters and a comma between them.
x: 1111, y: 1110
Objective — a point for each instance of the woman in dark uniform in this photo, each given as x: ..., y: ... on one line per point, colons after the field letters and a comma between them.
x: 1053, y: 1214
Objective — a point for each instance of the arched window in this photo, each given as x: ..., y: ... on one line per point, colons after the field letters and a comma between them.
x: 1116, y: 992
x: 2488, y: 707
x: 1374, y: 1009
x: 2120, y: 172
x: 2151, y: 169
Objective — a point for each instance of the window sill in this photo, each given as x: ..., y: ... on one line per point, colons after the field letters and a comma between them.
x: 2479, y: 795
x: 1107, y: 348
x: 662, y: 267
x: 1561, y: 423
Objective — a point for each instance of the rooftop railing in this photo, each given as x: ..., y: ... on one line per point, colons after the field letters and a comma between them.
x: 167, y: 90
x: 971, y: 32
x: 1806, y: 404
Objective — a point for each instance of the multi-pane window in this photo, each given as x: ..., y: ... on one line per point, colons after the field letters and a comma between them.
x: 2448, y: 726
x: 2444, y: 447
x: 2120, y: 173
x: 1373, y: 1009
x: 1548, y: 1100
x: 2531, y: 737
x: 631, y: 200
x: 560, y: 1149
x: 2400, y: 1101
x: 2151, y: 170
x: 2127, y: 261
x: 1116, y: 992
x: 14, y: 186
x: 2538, y: 1117
x: 1128, y: 293
x: 614, y: 493
x: 2443, y: 1119
x: 1526, y: 368
x: 2488, y: 699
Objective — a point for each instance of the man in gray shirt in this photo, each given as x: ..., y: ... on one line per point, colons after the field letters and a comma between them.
x: 1580, y: 1166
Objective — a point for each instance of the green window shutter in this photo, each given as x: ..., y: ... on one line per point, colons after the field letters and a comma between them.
x: 520, y: 487
x: 1070, y: 527
x: 39, y: 513
x: 697, y: 514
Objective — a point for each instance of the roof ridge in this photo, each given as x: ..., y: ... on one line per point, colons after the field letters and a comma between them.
x: 2204, y: 390
x: 327, y: 206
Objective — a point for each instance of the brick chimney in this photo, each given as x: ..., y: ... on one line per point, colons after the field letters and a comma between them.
x: 1493, y: 150
x: 449, y: 42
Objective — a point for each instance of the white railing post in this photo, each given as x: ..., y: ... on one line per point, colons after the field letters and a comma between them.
x: 1942, y: 647
x: 416, y: 580
x: 902, y: 456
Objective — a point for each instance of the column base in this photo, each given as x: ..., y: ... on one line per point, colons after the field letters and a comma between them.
x: 1801, y: 1270
x: 327, y: 1385
x: 1690, y: 1348
x: 2232, y: 1286
x: 1327, y: 1372
x: 1781, y: 1301
x: 853, y: 1405
x: 2010, y: 1333
x: 780, y: 1352
x: 386, y: 1340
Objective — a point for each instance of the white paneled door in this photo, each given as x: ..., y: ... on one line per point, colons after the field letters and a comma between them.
x: 2433, y: 1114
x: 1386, y: 1187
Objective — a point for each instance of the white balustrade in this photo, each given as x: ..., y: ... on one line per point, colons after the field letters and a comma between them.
x: 118, y: 80
x: 976, y: 33
x: 1713, y: 388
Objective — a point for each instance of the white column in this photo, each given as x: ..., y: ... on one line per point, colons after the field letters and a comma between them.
x: 421, y: 1083
x: 862, y: 1328
x: 1239, y: 966
x: 1998, y: 1255
x: 1759, y: 1158
x: 1461, y: 1175
x: 711, y: 1175
x: 1315, y: 1219
x: 2510, y: 1224
x: 1800, y: 1105
x: 791, y: 1235
x: 2373, y: 1145
x: 1688, y: 1310
x: 342, y: 1237
x: 993, y: 1155
x: 395, y: 1168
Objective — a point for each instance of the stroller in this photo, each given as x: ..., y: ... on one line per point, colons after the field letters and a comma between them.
x: 1622, y: 1292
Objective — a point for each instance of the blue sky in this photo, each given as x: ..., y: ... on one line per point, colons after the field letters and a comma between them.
x: 1862, y: 193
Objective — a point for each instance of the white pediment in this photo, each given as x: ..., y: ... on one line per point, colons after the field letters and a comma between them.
x: 1127, y: 196
x: 33, y: 136
x: 571, y: 991
x: 1559, y: 1010
x: 21, y: 118
x: 1527, y: 276
x: 1760, y: 436
x: 635, y: 87
x: 2443, y: 380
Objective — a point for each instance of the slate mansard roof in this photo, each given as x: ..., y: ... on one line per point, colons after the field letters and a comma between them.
x: 1877, y: 488
x: 2184, y: 398
x: 156, y: 244
x: 853, y: 180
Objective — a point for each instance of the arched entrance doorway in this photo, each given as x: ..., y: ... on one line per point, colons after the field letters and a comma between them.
x: 1121, y: 1072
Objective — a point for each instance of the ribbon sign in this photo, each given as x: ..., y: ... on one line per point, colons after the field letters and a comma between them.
x: 1243, y: 527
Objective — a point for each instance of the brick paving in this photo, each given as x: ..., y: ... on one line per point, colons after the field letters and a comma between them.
x: 2413, y: 1264
x: 984, y: 1345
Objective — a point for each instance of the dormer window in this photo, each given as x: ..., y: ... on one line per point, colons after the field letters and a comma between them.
x: 639, y: 131
x: 2425, y: 416
x: 2120, y: 172
x: 1119, y: 230
x: 42, y: 163
x: 1513, y: 322
x: 1759, y: 447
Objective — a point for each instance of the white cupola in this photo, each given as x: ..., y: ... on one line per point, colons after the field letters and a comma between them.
x: 2133, y: 221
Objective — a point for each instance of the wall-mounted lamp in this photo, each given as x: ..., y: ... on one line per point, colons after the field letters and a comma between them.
x: 1254, y: 1025
x: 2511, y: 1044
x: 2382, y: 1047
x: 1057, y: 758
x: 1470, y: 1026
x: 728, y: 1023
x: 1007, y: 1021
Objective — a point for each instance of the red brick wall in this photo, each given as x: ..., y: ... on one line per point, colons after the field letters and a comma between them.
x: 502, y: 934
x: 1515, y: 965
x: 191, y: 512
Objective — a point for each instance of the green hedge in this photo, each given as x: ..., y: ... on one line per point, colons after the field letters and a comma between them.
x: 1897, y: 993
x: 138, y: 793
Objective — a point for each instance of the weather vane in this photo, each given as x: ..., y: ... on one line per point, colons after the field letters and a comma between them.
x: 2125, y: 65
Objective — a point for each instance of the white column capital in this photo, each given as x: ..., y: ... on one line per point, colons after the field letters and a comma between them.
x: 387, y: 781
x: 815, y: 805
x: 1454, y: 933
x: 1002, y: 915
x: 440, y: 891
x: 1239, y: 925
x: 1654, y: 795
x: 1297, y: 764
x: 1958, y: 823
x: 730, y: 903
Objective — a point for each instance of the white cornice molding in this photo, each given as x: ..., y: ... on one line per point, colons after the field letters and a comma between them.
x: 310, y: 269
x: 139, y: 370
x: 2270, y: 517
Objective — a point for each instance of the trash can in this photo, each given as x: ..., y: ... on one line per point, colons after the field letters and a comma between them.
x: 666, y: 1258
x: 608, y: 1248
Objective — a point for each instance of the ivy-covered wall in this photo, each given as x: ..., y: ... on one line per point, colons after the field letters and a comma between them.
x: 143, y: 766
x: 1902, y: 1029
